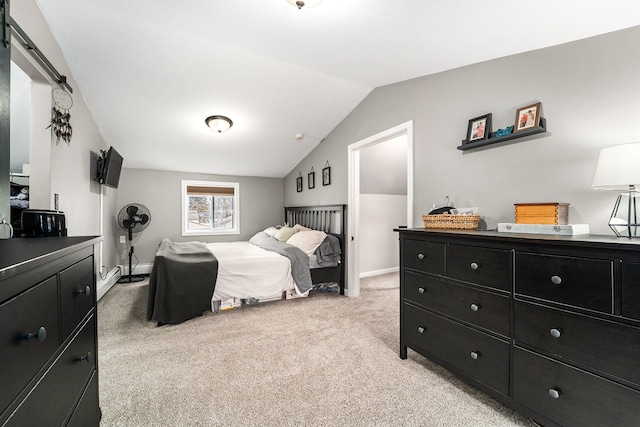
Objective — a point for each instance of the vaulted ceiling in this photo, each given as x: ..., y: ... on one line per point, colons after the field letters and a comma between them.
x: 151, y: 71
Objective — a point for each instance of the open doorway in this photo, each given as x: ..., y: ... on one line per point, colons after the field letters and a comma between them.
x: 401, y: 135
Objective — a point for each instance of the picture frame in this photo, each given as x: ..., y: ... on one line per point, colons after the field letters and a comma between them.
x: 528, y: 117
x: 326, y: 176
x: 479, y: 128
x: 311, y: 179
x: 299, y: 184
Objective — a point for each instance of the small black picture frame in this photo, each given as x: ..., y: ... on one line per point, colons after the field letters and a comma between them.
x: 326, y: 176
x: 479, y: 128
x: 299, y: 184
x: 311, y: 179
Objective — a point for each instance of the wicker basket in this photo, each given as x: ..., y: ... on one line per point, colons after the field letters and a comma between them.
x: 448, y: 221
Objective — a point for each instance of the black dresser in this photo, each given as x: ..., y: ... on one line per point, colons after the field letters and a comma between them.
x: 48, y: 337
x: 547, y: 325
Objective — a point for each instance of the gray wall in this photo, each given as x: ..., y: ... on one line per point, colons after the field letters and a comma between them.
x: 383, y: 167
x: 63, y: 169
x: 261, y: 205
x: 589, y: 93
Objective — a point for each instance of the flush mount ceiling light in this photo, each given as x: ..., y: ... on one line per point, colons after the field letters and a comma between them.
x: 308, y: 3
x: 219, y: 123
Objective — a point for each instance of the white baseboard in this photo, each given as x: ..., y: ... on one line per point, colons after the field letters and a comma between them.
x: 137, y: 269
x: 107, y: 283
x: 379, y: 272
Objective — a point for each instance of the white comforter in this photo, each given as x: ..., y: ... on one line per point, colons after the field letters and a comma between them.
x: 248, y: 271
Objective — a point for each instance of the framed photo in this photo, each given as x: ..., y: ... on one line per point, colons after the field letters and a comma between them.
x: 299, y: 184
x: 311, y: 180
x: 479, y: 128
x: 528, y: 117
x: 326, y: 176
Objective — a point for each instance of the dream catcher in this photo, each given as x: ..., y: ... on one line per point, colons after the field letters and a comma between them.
x: 60, y: 125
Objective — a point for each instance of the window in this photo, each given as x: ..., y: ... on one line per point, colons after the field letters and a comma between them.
x: 210, y: 208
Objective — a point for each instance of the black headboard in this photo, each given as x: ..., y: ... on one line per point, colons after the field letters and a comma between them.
x: 331, y: 219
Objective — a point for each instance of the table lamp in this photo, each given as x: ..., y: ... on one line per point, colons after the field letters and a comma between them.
x: 618, y: 168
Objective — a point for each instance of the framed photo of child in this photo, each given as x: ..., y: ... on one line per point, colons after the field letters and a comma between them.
x: 528, y: 117
x: 479, y: 128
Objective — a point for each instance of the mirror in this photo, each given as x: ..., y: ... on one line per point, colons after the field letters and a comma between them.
x: 24, y: 134
x: 19, y: 145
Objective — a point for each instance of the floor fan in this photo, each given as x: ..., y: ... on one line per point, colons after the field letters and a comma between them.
x: 133, y: 218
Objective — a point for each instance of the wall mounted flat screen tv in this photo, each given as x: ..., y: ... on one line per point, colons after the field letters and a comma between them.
x: 109, y: 167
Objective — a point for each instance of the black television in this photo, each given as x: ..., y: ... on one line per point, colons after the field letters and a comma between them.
x: 109, y: 167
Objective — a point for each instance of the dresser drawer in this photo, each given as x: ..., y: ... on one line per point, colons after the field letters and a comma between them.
x: 481, y: 308
x: 631, y: 290
x: 87, y: 412
x: 580, y: 282
x: 479, y: 355
x: 77, y: 292
x: 65, y: 380
x: 32, y: 312
x: 483, y: 266
x: 579, y: 398
x: 424, y: 256
x: 600, y: 344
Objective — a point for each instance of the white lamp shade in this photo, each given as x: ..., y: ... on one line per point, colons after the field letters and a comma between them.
x: 618, y: 167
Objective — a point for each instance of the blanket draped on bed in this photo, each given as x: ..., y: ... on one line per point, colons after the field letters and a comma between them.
x: 182, y: 281
x: 299, y: 260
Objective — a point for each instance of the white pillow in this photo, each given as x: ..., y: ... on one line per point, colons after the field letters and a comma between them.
x: 301, y: 227
x: 271, y: 231
x: 307, y: 240
x: 285, y: 233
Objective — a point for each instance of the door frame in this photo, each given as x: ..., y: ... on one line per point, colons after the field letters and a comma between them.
x: 353, y: 214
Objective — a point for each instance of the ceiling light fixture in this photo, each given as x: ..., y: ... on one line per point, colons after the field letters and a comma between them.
x: 308, y: 3
x: 219, y: 123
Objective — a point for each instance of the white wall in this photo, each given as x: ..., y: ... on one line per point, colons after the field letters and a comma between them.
x: 378, y: 243
x: 588, y: 91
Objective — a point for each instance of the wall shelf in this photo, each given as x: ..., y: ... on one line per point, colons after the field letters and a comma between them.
x: 493, y: 139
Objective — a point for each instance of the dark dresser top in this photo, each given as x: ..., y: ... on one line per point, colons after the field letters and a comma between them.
x: 605, y: 241
x: 19, y: 255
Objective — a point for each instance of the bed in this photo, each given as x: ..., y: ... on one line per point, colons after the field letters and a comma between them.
x: 305, y: 253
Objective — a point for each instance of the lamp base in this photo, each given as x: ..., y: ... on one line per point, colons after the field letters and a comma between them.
x: 624, y: 219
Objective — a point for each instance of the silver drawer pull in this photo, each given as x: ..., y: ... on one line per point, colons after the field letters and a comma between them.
x: 555, y: 333
x: 475, y: 355
x: 474, y: 266
x: 39, y: 336
x: 554, y: 392
x: 421, y: 290
x: 556, y: 280
x: 421, y: 329
x: 475, y: 307
x: 420, y: 256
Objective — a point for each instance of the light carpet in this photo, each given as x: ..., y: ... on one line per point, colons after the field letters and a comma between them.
x: 325, y: 360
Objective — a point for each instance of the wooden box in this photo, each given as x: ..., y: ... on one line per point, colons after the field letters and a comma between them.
x: 542, y: 213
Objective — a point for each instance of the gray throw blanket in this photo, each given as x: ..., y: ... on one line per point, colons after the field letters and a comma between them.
x: 182, y: 281
x: 329, y: 252
x: 299, y: 260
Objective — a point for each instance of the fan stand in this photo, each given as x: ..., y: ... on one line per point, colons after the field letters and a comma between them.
x: 130, y: 278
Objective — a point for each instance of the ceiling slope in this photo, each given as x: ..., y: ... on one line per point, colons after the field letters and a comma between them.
x: 151, y: 71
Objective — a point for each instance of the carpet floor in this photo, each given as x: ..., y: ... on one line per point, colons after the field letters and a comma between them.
x: 325, y: 360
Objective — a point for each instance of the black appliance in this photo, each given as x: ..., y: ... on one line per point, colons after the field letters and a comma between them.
x: 43, y: 223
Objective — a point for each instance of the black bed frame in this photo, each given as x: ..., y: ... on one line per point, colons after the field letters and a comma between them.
x: 331, y: 219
